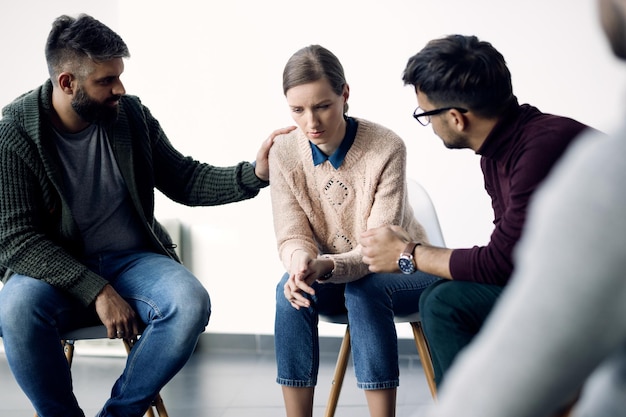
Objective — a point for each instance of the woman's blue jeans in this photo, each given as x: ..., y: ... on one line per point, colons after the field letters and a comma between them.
x: 170, y: 301
x: 371, y: 303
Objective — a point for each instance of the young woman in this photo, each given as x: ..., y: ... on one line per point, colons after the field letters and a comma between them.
x: 331, y: 179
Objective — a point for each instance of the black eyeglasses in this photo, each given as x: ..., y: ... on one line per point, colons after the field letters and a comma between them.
x: 424, y: 118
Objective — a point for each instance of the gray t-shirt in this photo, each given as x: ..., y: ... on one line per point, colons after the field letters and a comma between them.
x: 96, y: 192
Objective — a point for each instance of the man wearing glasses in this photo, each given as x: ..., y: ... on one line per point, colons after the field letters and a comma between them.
x: 464, y: 91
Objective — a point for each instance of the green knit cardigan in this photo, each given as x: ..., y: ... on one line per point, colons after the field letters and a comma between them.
x: 38, y: 236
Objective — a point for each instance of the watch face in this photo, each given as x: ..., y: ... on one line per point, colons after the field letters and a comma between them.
x: 406, y: 265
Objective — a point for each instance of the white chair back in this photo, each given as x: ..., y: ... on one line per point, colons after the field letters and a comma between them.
x: 425, y: 213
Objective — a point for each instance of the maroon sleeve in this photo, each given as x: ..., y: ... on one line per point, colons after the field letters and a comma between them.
x: 511, y: 185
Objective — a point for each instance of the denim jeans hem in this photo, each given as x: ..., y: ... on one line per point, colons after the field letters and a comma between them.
x: 378, y: 385
x: 296, y: 383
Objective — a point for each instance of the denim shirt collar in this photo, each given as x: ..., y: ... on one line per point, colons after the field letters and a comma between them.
x: 337, y: 157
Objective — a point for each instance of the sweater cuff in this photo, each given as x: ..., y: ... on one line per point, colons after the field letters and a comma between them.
x: 88, y: 288
x: 249, y: 178
x: 346, y: 269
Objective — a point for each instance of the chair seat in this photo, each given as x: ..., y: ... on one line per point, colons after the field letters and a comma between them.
x: 86, y: 333
x: 343, y: 318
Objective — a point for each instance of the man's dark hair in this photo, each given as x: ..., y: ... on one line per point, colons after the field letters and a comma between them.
x: 462, y: 71
x: 71, y: 40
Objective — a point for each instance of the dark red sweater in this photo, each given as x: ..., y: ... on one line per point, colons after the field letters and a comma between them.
x: 515, y: 158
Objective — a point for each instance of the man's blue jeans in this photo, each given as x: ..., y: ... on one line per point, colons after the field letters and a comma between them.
x: 170, y: 301
x: 371, y: 303
x: 453, y: 312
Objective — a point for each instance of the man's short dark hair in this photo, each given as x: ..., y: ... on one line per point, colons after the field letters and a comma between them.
x: 71, y: 40
x: 461, y: 71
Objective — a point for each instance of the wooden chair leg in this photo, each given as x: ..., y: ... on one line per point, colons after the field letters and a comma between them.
x: 157, y: 405
x: 68, y: 349
x: 340, y: 372
x: 160, y: 406
x: 149, y: 412
x: 424, y: 354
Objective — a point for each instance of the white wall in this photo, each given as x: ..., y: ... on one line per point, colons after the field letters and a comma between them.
x: 211, y: 73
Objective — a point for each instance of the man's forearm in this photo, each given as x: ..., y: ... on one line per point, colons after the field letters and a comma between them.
x: 433, y: 260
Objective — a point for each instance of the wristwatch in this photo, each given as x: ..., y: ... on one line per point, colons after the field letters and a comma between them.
x: 405, y: 262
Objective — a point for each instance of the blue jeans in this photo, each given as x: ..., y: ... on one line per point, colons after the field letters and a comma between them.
x: 453, y: 312
x: 371, y: 303
x: 170, y: 301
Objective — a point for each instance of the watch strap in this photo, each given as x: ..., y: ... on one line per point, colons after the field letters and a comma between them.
x: 410, y: 247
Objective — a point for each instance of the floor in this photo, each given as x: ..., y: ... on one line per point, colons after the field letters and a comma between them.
x: 228, y: 376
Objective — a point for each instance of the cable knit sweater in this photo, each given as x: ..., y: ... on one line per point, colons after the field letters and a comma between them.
x: 38, y: 235
x: 324, y: 211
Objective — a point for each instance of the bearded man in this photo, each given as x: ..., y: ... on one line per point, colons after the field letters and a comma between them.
x: 79, y: 243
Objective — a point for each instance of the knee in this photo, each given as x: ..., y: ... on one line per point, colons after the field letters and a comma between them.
x: 201, y: 306
x: 367, y: 288
x: 438, y: 300
x: 369, y: 298
x: 22, y: 293
x: 23, y: 300
x: 201, y: 302
x: 281, y: 302
x: 192, y: 307
x: 12, y: 303
x: 280, y: 287
x: 12, y: 310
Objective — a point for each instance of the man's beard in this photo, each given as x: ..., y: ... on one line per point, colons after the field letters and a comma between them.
x: 93, y: 112
x: 454, y: 140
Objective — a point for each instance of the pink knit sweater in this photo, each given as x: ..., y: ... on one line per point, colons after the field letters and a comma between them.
x: 324, y: 211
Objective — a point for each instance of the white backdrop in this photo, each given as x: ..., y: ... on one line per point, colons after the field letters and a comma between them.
x: 210, y: 71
